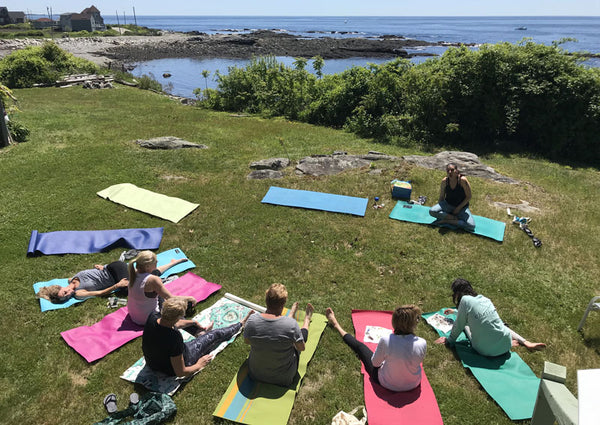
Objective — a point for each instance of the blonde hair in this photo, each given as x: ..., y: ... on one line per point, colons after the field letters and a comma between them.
x: 173, y: 309
x: 276, y: 296
x: 405, y: 319
x: 143, y: 259
x: 50, y: 293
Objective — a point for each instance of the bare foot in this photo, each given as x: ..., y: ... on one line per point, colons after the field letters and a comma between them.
x: 245, y: 319
x: 294, y: 309
x: 309, y: 311
x: 534, y: 346
x: 330, y: 317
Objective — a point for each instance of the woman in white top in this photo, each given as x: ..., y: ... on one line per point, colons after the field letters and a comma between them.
x: 145, y: 286
x: 396, y: 363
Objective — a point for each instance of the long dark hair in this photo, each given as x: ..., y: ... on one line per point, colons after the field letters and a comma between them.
x: 461, y: 287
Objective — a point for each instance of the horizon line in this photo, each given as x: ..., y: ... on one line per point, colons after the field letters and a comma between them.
x: 351, y: 16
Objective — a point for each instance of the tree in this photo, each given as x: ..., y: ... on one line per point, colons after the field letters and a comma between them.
x: 318, y: 64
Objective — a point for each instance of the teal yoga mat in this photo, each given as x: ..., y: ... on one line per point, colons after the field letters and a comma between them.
x: 415, y: 213
x: 316, y: 201
x: 507, y: 379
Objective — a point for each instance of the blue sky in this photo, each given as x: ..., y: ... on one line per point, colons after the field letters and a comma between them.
x: 320, y: 7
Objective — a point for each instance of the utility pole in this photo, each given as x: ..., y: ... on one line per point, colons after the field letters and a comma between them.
x: 118, y: 24
x: 124, y: 19
x: 134, y: 17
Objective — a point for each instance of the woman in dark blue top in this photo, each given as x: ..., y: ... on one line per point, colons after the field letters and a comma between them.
x: 453, y: 205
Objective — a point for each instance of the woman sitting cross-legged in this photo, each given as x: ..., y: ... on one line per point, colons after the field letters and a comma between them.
x: 453, y: 203
x: 478, y: 317
x: 276, y: 340
x: 396, y: 362
x: 163, y: 346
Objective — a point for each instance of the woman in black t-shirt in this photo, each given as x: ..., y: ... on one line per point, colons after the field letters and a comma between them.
x: 453, y: 204
x: 163, y: 346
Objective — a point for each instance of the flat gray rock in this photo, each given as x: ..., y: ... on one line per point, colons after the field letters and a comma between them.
x: 264, y: 174
x: 329, y: 165
x: 270, y: 164
x: 468, y: 164
x: 168, y: 142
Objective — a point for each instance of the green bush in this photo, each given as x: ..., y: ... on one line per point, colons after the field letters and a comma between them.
x: 263, y: 86
x: 19, y: 132
x: 40, y: 65
x: 526, y: 97
x: 148, y: 82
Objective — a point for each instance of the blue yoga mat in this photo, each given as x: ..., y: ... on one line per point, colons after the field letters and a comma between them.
x: 162, y: 259
x: 415, y: 213
x: 91, y: 241
x: 316, y: 201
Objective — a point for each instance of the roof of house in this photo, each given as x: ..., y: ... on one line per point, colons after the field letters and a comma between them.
x: 16, y: 14
x: 90, y: 10
x: 43, y: 20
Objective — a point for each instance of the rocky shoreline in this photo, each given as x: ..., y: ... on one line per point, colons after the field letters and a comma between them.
x: 124, y: 50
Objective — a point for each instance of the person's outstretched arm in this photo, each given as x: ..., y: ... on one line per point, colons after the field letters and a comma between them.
x: 181, y: 369
x: 172, y: 263
x: 84, y: 293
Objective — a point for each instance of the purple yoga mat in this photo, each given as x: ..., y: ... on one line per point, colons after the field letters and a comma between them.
x: 91, y: 241
x: 116, y: 329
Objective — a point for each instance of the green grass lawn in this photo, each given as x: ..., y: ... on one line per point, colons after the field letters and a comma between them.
x: 81, y: 143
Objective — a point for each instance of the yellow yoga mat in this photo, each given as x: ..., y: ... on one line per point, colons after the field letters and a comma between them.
x: 163, y: 206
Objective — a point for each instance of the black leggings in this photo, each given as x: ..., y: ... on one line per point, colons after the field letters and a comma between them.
x: 207, y: 342
x: 365, y: 355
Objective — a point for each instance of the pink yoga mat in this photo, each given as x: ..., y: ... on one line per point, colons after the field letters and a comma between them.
x: 116, y: 329
x: 384, y: 407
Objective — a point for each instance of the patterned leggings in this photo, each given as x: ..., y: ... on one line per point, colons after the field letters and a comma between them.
x: 207, y: 342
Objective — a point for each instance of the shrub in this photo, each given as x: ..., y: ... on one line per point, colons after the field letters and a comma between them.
x: 40, y: 65
x: 18, y: 131
x: 148, y: 82
x: 524, y: 97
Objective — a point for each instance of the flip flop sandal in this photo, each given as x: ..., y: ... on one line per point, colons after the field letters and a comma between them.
x: 528, y: 231
x: 110, y: 403
x: 134, y: 398
x: 537, y: 243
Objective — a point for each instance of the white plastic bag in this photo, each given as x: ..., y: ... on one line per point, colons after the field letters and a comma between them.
x: 343, y: 418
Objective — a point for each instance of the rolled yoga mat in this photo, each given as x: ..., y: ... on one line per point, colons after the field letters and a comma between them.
x: 384, y: 407
x: 116, y: 329
x: 156, y: 204
x: 507, y: 379
x: 415, y: 213
x: 92, y: 241
x: 316, y: 201
x: 250, y: 402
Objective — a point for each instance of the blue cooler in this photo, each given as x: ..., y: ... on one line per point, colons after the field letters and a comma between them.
x: 401, y: 189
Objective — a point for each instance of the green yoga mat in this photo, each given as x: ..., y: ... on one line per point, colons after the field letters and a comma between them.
x: 251, y: 402
x: 507, y: 379
x: 415, y: 213
x: 166, y: 207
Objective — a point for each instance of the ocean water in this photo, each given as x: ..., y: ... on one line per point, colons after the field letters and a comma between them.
x: 186, y: 73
